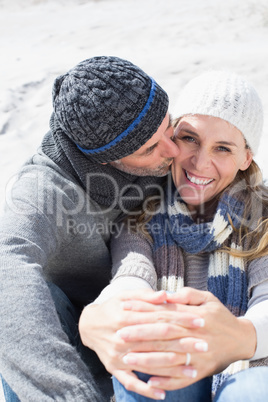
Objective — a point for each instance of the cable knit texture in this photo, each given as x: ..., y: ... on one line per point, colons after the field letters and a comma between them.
x: 228, y: 96
x: 108, y: 107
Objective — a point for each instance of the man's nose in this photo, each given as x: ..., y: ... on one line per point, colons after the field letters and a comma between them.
x: 169, y: 148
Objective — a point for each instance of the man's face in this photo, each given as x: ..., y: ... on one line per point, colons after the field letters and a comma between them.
x: 154, y: 157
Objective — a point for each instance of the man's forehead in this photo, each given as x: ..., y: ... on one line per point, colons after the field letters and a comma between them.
x: 166, y: 123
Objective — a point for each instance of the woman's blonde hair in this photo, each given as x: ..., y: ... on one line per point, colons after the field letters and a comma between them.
x: 253, y: 231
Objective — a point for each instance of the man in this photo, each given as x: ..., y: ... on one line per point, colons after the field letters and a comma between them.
x: 109, y: 144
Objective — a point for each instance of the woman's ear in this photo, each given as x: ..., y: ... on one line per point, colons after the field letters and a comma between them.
x: 248, y: 160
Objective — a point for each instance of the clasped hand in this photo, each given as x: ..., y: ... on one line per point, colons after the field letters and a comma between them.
x: 178, y: 338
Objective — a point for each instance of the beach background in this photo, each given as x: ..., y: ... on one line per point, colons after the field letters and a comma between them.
x: 172, y: 40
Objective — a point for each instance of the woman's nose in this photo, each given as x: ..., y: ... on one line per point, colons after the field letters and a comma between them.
x: 201, y: 160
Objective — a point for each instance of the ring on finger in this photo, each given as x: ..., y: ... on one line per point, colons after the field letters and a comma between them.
x: 188, y: 359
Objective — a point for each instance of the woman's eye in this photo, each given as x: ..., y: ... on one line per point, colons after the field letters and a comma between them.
x: 188, y: 138
x: 185, y: 138
x: 223, y: 149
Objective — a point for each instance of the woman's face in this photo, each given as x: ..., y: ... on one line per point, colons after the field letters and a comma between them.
x: 211, y: 153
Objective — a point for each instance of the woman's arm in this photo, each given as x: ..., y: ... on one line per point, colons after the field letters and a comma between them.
x: 132, y: 265
x: 258, y: 315
x: 132, y: 256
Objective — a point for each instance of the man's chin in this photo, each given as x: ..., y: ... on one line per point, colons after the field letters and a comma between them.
x: 158, y: 172
x: 162, y: 172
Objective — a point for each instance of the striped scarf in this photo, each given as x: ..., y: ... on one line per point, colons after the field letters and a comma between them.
x: 174, y: 231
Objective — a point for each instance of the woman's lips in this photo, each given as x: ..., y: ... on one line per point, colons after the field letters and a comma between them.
x: 199, y: 181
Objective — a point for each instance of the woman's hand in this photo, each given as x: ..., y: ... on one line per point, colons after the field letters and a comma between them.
x: 226, y: 338
x: 99, y: 327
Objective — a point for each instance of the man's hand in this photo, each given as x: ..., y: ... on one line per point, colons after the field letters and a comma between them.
x: 223, y: 337
x: 99, y: 323
x: 100, y: 327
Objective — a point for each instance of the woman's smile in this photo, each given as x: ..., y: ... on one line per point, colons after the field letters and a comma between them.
x: 211, y: 151
x: 196, y: 180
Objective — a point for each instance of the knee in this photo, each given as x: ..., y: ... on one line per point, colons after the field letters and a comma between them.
x: 249, y: 385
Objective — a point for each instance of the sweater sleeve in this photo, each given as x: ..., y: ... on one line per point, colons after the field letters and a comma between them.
x: 132, y: 256
x: 257, y: 313
x: 36, y: 358
x: 122, y: 283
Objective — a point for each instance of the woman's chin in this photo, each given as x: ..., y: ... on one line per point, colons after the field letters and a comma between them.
x: 193, y: 202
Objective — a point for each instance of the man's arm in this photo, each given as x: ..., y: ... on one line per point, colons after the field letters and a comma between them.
x: 37, y: 360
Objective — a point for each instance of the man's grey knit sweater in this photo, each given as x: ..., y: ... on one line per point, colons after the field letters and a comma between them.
x: 50, y: 231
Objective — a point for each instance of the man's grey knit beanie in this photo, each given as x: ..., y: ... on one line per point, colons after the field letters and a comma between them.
x: 108, y: 107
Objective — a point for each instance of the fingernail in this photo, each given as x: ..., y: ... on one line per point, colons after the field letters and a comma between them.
x: 119, y: 333
x: 201, y: 346
x: 122, y: 333
x: 189, y: 372
x: 153, y: 383
x: 160, y: 395
x: 129, y: 359
x: 199, y: 322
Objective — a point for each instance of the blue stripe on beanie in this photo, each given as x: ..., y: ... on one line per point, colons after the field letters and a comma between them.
x: 129, y: 129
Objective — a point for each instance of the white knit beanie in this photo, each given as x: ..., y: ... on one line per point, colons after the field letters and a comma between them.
x: 225, y: 95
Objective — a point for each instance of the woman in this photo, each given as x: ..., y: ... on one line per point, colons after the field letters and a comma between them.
x: 209, y: 234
